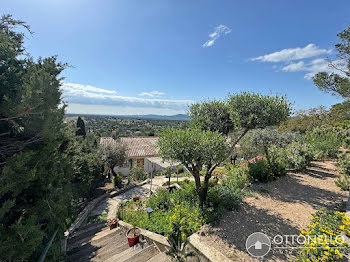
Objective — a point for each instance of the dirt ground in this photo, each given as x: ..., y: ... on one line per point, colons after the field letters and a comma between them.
x: 280, y: 207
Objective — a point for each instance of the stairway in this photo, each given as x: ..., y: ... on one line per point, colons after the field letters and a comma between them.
x: 96, y: 242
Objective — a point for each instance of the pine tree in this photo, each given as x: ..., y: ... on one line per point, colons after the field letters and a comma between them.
x: 81, y: 127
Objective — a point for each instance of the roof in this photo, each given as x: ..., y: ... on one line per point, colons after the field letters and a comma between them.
x: 141, y: 146
x: 160, y: 162
x: 107, y: 141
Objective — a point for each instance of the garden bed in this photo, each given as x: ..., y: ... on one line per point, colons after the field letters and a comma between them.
x: 284, y: 206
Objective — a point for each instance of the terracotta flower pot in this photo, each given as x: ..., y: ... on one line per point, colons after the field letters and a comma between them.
x: 133, y: 236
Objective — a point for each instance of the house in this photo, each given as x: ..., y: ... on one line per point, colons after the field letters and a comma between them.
x: 137, y: 150
x: 141, y: 151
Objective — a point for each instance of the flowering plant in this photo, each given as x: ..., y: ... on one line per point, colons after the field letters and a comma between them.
x: 298, y: 155
x: 324, y: 237
x: 112, y: 221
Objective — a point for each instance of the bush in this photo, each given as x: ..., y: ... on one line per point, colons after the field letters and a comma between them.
x: 325, y: 226
x: 324, y: 142
x: 259, y: 170
x: 278, y: 161
x: 238, y: 177
x: 117, y: 180
x: 343, y: 180
x: 137, y: 174
x: 180, y: 169
x: 180, y: 206
x: 299, y: 155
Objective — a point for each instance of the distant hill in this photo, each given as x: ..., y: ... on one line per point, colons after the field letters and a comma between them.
x: 162, y: 117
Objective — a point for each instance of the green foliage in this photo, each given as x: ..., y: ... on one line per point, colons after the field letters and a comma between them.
x: 87, y: 165
x: 81, y: 127
x: 194, y: 148
x: 117, y: 180
x: 113, y: 155
x: 299, y: 155
x: 137, y: 174
x: 258, y: 141
x: 180, y: 169
x: 324, y: 142
x: 259, y: 170
x: 343, y: 180
x: 97, y: 218
x: 277, y: 161
x: 337, y: 84
x: 323, y: 241
x: 178, y: 244
x: 211, y: 115
x: 180, y: 206
x: 252, y: 110
x: 306, y: 120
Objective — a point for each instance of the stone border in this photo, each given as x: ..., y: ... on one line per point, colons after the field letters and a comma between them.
x: 205, y: 252
x: 87, y: 210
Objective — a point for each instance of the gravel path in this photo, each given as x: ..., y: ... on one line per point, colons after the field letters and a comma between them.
x: 280, y: 207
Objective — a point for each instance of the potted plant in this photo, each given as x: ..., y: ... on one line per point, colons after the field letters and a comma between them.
x: 112, y: 223
x: 133, y: 236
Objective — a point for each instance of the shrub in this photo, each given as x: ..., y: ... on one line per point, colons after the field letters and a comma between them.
x: 343, y: 180
x: 277, y: 161
x: 298, y: 155
x: 324, y: 142
x: 137, y: 174
x: 324, y: 228
x: 180, y: 169
x: 259, y: 170
x: 117, y: 180
x: 238, y: 177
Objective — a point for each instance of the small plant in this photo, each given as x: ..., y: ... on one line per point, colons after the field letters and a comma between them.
x: 180, y: 169
x: 259, y: 170
x: 324, y: 231
x: 178, y: 243
x: 137, y: 174
x: 117, y: 180
x: 112, y: 223
x: 343, y: 180
x: 324, y: 141
x: 299, y: 155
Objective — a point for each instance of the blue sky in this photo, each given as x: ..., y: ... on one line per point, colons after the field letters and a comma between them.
x: 158, y: 56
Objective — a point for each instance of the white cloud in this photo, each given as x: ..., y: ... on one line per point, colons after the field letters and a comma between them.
x: 152, y: 94
x: 290, y: 54
x: 78, y: 88
x: 313, y: 67
x: 89, y: 95
x: 218, y: 32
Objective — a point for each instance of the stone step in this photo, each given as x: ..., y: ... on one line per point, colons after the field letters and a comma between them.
x: 128, y: 253
x: 161, y: 257
x: 87, y: 232
x: 96, y: 240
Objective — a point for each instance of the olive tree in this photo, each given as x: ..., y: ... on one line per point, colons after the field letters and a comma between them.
x: 195, y: 149
x: 211, y: 115
x: 199, y: 147
x: 113, y: 155
x: 252, y: 110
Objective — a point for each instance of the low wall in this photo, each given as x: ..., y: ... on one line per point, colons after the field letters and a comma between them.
x: 205, y: 252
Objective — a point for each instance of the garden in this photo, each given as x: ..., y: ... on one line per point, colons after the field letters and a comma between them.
x: 266, y: 153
